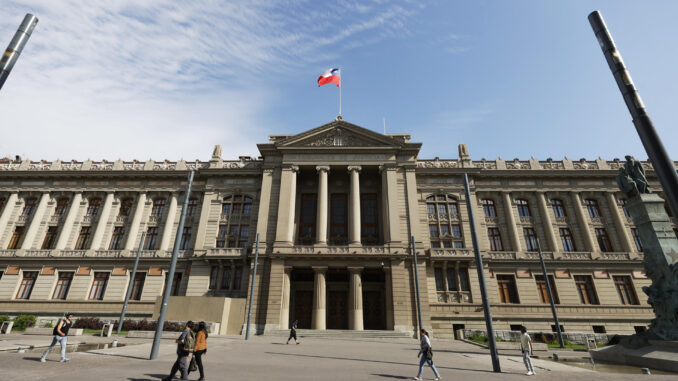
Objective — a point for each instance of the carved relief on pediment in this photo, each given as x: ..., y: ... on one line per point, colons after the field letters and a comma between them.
x: 337, y: 138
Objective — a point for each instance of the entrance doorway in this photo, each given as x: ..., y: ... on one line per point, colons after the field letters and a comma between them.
x: 337, y: 299
x: 301, y: 295
x: 374, y: 299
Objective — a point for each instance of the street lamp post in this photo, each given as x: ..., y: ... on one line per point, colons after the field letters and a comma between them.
x: 548, y: 289
x: 16, y: 46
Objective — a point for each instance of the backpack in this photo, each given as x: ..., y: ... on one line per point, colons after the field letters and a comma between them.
x: 189, y: 342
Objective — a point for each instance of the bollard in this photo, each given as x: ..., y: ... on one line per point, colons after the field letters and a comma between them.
x: 645, y: 371
x: 555, y: 357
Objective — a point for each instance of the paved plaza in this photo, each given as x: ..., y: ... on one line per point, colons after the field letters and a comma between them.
x: 268, y: 358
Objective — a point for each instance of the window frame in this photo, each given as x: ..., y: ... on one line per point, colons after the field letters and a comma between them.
x: 603, y: 239
x: 523, y: 207
x: 496, y: 243
x: 558, y: 207
x: 530, y: 239
x: 542, y: 290
x: 93, y: 207
x: 625, y: 290
x: 489, y: 208
x: 508, y: 289
x: 26, y: 285
x: 586, y: 289
x: 592, y: 207
x: 99, y: 285
x: 63, y: 285
x: 567, y: 240
x: 82, y: 242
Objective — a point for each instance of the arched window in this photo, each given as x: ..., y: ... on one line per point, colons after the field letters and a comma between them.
x: 592, y: 207
x: 125, y: 207
x: 158, y: 206
x: 93, y: 207
x: 558, y: 207
x: 444, y: 230
x: 61, y: 206
x: 523, y: 208
x: 234, y: 230
x: 29, y: 206
x: 488, y: 207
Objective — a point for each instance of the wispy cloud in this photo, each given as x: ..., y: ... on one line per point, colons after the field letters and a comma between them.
x: 97, y: 72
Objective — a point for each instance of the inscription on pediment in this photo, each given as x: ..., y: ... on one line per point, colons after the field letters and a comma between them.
x: 337, y: 138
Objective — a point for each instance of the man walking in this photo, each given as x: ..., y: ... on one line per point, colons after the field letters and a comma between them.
x: 185, y: 346
x: 526, y: 348
x: 293, y: 332
x: 60, y: 333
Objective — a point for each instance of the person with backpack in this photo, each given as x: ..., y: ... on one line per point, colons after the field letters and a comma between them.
x: 185, y: 345
x: 60, y: 333
x: 199, y: 350
x: 526, y: 349
x: 293, y: 332
x: 426, y: 353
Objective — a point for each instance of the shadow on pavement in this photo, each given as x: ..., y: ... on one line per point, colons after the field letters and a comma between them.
x: 117, y: 355
x: 153, y: 377
x: 392, y: 376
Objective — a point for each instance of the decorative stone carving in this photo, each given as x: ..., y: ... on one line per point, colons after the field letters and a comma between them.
x: 164, y: 166
x: 103, y: 166
x: 133, y: 166
x: 437, y: 163
x: 338, y: 138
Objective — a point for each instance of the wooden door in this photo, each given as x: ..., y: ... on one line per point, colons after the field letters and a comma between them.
x: 374, y: 315
x: 303, y: 308
x: 337, y: 310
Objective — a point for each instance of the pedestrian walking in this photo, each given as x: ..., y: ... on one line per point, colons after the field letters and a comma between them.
x: 200, y: 348
x: 60, y: 333
x: 293, y: 332
x: 185, y: 345
x: 526, y: 349
x: 426, y: 353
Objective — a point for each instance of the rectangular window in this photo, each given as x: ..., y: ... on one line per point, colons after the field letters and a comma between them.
x: 138, y: 286
x: 431, y: 209
x: 307, y: 218
x: 566, y: 239
x: 338, y: 219
x: 530, y: 239
x: 158, y: 207
x: 26, y: 285
x: 226, y: 209
x: 488, y: 208
x: 214, y: 275
x: 17, y: 238
x: 558, y: 208
x: 369, y: 223
x: 603, y: 240
x: 543, y: 291
x: 625, y: 290
x: 444, y: 231
x: 442, y: 211
x: 508, y: 292
x: 99, y: 286
x: 185, y: 239
x: 587, y: 293
x: 456, y: 231
x: 463, y: 280
x: 151, y: 238
x: 246, y: 209
x: 221, y: 237
x: 116, y: 239
x: 636, y: 239
x: 61, y: 206
x: 433, y: 231
x: 238, y: 278
x: 50, y: 238
x: 234, y: 232
x: 451, y: 279
x: 191, y: 207
x: 592, y: 207
x: 93, y: 207
x: 63, y: 285
x: 226, y: 279
x: 495, y: 239
x: 438, y: 273
x: 176, y: 284
x: 29, y: 207
x: 83, y: 238
x: 623, y: 203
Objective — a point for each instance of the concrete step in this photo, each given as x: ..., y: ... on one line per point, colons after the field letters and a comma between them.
x: 343, y: 334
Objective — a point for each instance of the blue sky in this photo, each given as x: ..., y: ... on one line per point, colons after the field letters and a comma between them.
x: 168, y: 80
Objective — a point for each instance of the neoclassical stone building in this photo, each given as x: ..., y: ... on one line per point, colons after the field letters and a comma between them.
x: 334, y: 208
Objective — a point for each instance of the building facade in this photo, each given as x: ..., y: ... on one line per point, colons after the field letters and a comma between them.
x: 334, y: 209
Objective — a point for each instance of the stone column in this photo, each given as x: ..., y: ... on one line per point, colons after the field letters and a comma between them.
x: 583, y: 222
x: 68, y: 223
x: 511, y: 221
x: 264, y: 206
x: 285, y: 303
x: 390, y: 195
x: 321, y: 219
x: 622, y: 233
x: 319, y: 298
x: 286, y: 206
x: 354, y: 206
x: 35, y: 222
x: 355, y: 300
x: 388, y: 285
x: 546, y: 222
x: 231, y: 282
x: 136, y: 221
x: 169, y: 223
x: 6, y: 213
x: 103, y: 221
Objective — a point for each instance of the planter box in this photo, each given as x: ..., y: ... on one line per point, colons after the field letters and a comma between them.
x: 48, y: 331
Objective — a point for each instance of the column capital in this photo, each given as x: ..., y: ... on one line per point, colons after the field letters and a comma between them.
x: 290, y: 167
x: 355, y: 269
x: 321, y: 168
x: 356, y: 168
x: 319, y: 269
x: 288, y: 269
x: 387, y: 167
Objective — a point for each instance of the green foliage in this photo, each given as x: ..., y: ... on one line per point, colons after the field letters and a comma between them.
x: 24, y: 321
x: 49, y: 325
x: 4, y: 318
x: 478, y: 338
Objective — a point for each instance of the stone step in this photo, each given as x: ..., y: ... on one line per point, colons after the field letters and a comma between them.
x: 335, y: 333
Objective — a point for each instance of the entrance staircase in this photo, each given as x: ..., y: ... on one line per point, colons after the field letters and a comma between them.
x: 342, y: 334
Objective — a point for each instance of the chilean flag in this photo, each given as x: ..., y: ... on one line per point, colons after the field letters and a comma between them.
x: 330, y: 76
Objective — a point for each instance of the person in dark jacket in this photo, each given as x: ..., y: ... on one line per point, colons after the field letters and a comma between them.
x: 200, y: 348
x: 293, y: 332
x: 426, y: 353
x: 185, y: 345
x: 60, y: 333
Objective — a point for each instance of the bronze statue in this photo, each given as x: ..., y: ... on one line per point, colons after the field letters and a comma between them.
x: 631, y: 178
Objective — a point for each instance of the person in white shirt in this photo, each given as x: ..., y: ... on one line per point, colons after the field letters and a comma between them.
x: 526, y: 348
x: 426, y: 353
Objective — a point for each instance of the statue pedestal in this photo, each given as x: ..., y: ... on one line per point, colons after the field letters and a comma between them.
x: 659, y: 354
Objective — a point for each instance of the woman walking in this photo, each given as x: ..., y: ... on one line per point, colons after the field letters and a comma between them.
x: 426, y: 353
x: 200, y: 348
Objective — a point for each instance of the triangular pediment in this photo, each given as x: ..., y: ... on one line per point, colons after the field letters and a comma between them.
x: 339, y: 133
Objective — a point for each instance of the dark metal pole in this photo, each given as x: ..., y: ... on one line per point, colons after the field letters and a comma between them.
x: 16, y: 46
x: 416, y: 284
x: 254, y: 279
x: 553, y: 304
x: 170, y: 274
x: 492, y: 342
x: 131, y: 283
x: 661, y: 162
